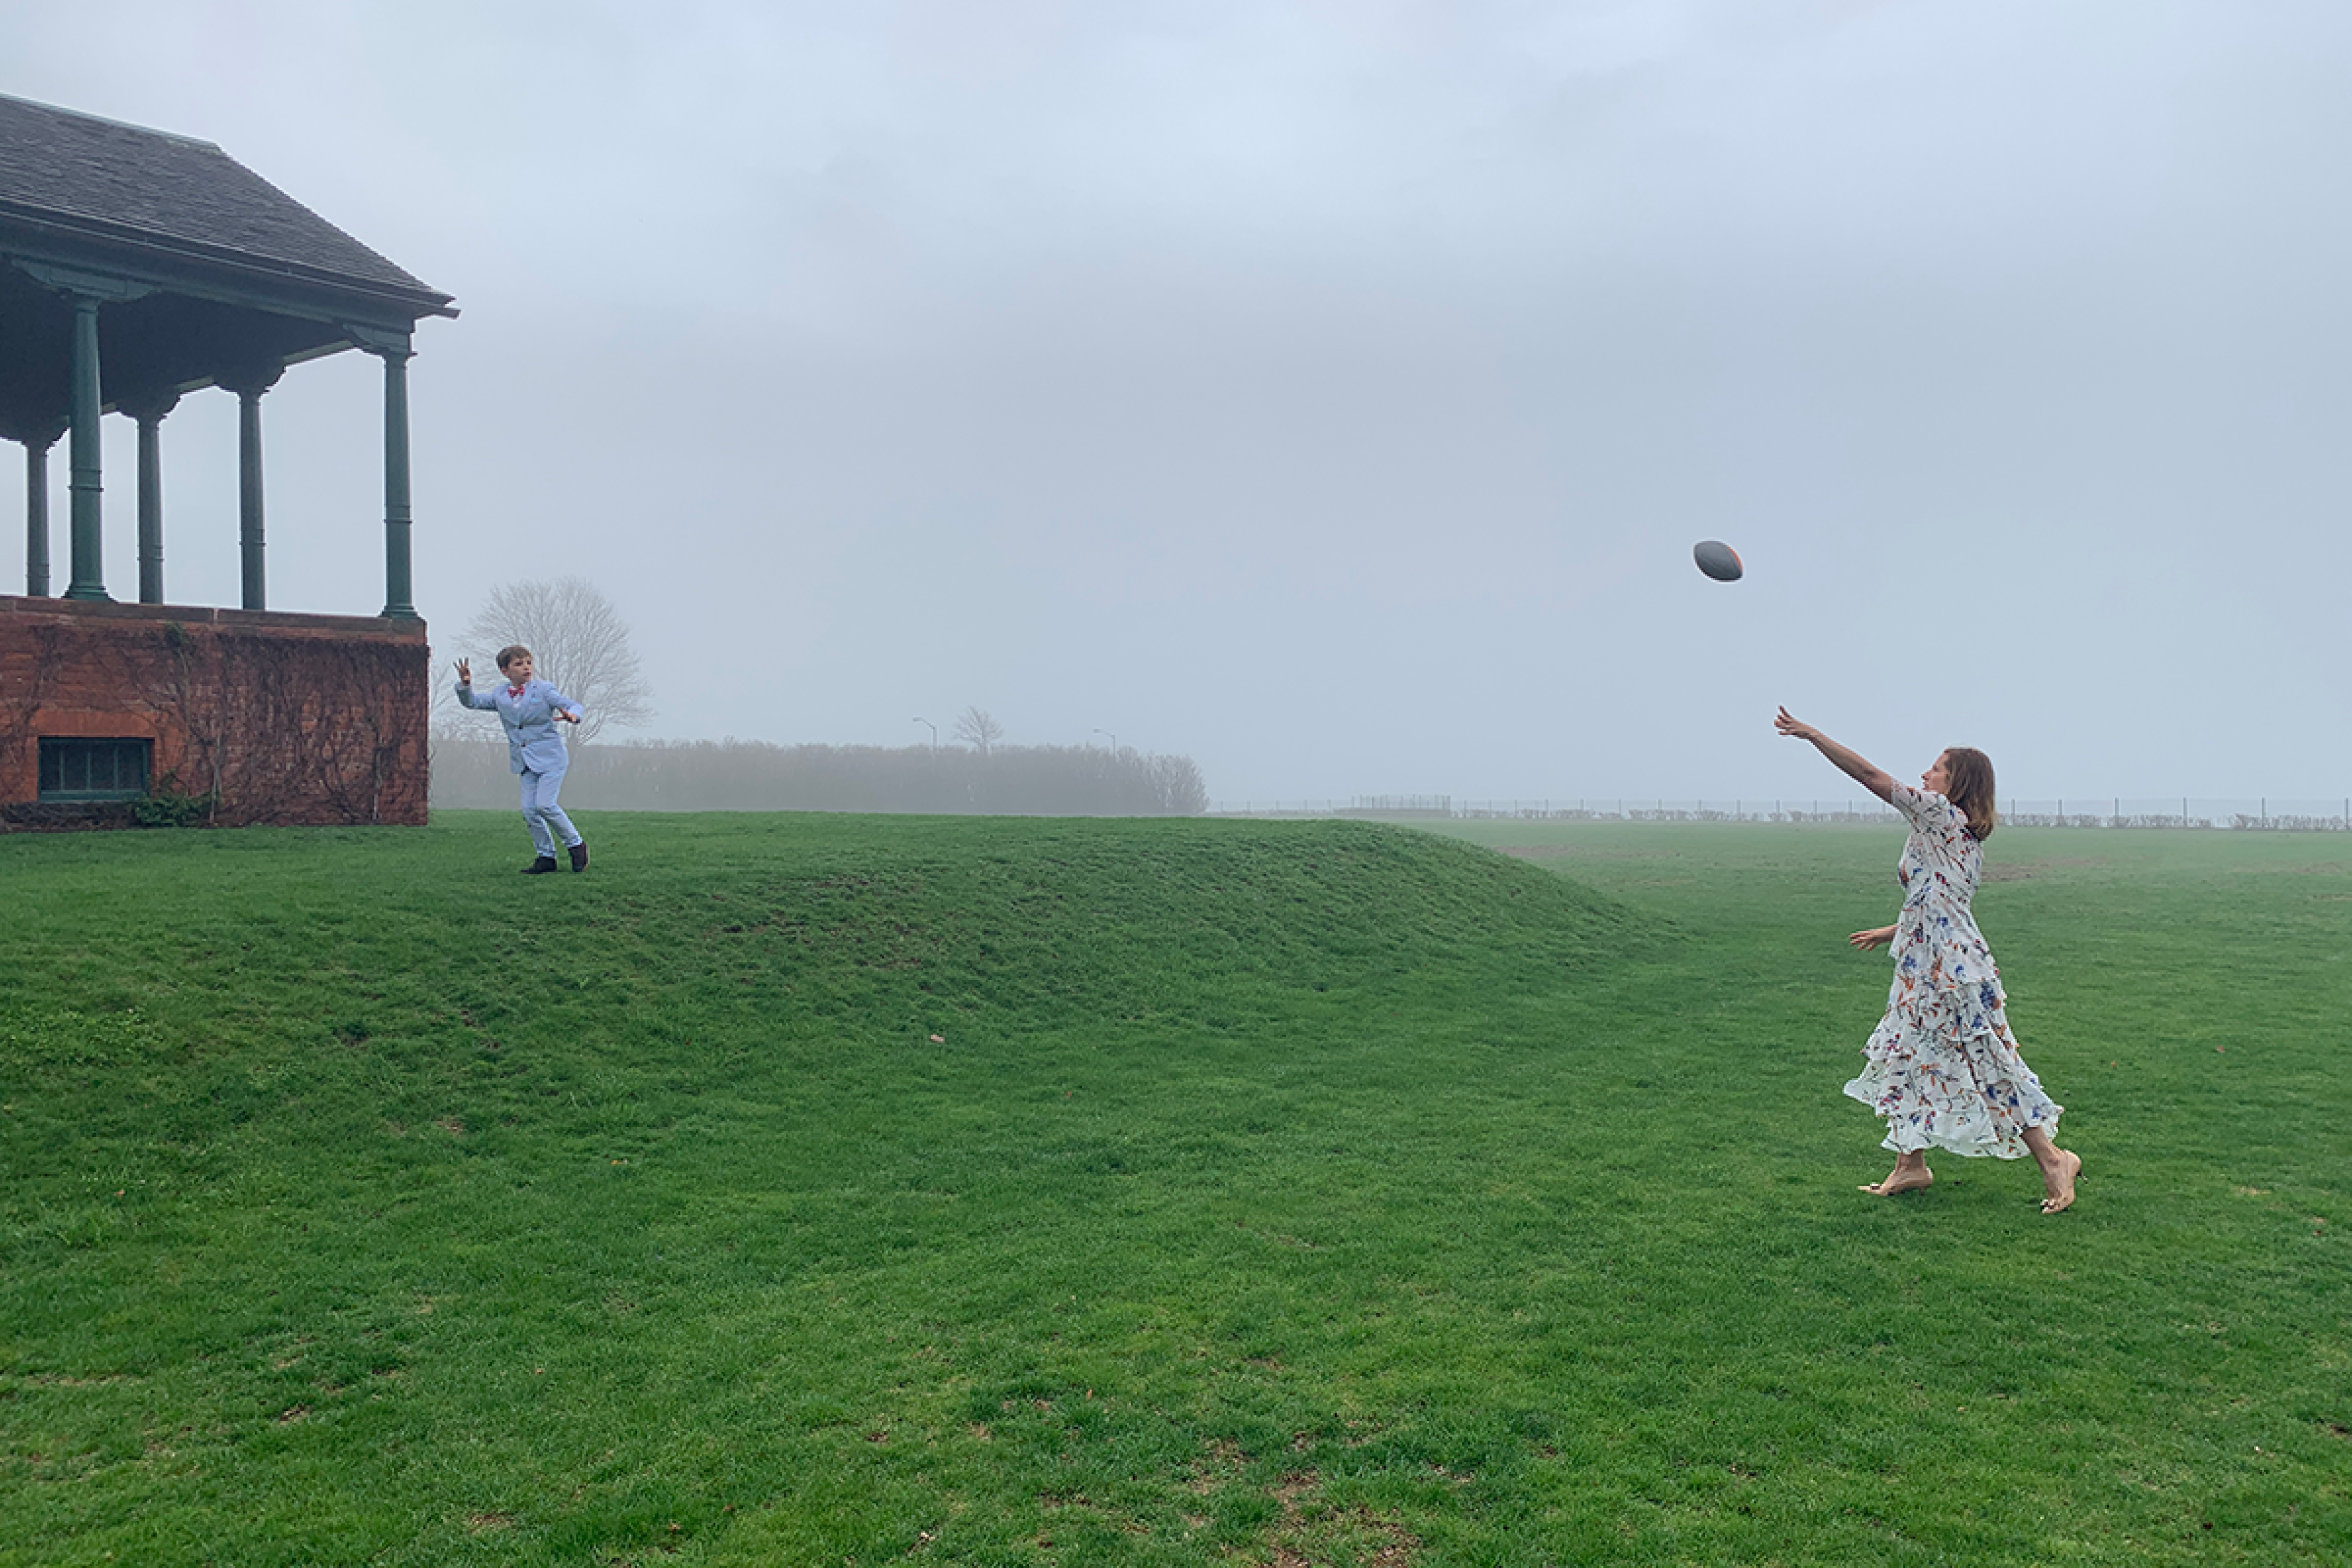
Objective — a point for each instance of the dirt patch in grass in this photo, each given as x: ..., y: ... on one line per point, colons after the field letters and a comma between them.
x: 1310, y: 1530
x: 1223, y: 1463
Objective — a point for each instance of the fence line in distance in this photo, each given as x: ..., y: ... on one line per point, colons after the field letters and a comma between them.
x: 2252, y: 814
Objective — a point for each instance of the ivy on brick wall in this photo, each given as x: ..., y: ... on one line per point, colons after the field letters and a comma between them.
x: 252, y: 724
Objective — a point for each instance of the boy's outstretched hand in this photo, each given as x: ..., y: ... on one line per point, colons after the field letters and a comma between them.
x: 568, y: 718
x: 465, y: 673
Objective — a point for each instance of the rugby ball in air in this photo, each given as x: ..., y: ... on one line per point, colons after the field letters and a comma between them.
x: 1717, y: 560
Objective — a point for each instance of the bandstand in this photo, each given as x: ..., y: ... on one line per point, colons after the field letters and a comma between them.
x: 137, y: 268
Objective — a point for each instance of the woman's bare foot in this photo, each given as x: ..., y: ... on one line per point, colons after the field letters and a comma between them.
x: 2058, y: 1179
x: 1910, y: 1172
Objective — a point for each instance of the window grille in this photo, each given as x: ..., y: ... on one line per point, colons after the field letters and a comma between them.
x: 77, y: 769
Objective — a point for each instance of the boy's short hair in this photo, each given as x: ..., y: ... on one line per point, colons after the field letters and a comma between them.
x: 512, y: 652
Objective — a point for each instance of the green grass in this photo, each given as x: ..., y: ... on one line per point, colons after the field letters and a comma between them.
x: 1275, y: 1193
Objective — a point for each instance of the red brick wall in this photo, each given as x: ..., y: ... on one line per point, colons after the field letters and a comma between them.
x: 292, y: 718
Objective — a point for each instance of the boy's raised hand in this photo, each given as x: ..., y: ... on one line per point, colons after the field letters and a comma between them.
x: 465, y: 673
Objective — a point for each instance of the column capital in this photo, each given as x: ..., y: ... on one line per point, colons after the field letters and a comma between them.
x: 39, y: 437
x: 251, y: 380
x: 93, y: 286
x: 386, y: 341
x: 149, y: 407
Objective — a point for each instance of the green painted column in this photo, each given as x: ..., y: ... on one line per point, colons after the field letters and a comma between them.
x: 87, y: 555
x: 149, y: 411
x: 37, y: 510
x: 248, y: 387
x: 399, y: 602
x: 250, y: 541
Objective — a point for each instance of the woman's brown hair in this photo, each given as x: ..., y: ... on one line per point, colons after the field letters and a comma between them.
x: 1968, y: 777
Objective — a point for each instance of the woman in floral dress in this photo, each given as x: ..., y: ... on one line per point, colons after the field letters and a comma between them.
x: 1942, y: 1067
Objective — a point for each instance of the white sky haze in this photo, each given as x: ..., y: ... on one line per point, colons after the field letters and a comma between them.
x: 1333, y: 392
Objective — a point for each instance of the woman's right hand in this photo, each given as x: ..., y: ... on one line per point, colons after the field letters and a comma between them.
x: 1865, y: 941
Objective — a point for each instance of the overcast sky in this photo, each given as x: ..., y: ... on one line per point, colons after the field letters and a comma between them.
x: 1333, y: 392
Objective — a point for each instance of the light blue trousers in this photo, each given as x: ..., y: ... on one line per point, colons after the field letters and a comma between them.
x: 542, y: 815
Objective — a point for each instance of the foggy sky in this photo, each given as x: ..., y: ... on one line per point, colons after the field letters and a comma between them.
x: 1332, y: 391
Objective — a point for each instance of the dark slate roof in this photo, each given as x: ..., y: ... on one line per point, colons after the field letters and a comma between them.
x: 108, y: 180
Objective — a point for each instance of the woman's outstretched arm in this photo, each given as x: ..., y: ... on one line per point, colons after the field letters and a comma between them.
x: 1855, y: 766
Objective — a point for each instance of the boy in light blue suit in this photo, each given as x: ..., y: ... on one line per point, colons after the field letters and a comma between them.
x: 530, y: 710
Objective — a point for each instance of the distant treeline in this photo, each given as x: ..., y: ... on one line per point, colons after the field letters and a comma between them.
x: 754, y: 775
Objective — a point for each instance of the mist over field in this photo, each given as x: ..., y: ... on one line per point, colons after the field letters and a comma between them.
x: 1332, y: 396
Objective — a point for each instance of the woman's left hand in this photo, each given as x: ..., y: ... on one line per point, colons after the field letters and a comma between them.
x: 1865, y: 940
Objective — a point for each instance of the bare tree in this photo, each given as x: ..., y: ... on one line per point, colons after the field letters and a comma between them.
x: 976, y: 727
x: 577, y: 640
x: 1177, y: 783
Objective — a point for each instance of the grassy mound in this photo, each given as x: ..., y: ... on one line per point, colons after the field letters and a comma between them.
x: 363, y: 980
x: 366, y: 1200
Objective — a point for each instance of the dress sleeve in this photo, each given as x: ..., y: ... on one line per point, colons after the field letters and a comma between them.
x: 1920, y: 808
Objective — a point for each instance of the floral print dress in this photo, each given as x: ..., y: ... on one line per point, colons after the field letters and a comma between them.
x: 1942, y: 1066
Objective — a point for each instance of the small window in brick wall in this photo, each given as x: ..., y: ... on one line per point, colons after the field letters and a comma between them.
x: 93, y: 769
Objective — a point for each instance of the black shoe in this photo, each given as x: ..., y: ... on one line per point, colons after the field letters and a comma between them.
x: 580, y: 856
x: 542, y: 867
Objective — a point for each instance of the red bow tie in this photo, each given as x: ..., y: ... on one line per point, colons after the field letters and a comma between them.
x: 515, y: 691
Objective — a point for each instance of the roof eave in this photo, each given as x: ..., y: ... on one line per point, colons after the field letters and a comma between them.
x: 128, y: 245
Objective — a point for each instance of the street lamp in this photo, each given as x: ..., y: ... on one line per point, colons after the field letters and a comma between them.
x: 1114, y: 741
x: 934, y: 729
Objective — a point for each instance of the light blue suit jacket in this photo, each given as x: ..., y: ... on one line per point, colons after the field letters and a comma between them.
x: 533, y: 742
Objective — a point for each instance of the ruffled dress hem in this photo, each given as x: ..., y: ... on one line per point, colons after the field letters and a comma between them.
x: 1971, y: 1096
x: 1975, y: 1138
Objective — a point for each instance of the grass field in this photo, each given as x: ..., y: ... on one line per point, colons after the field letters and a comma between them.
x: 837, y: 1190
